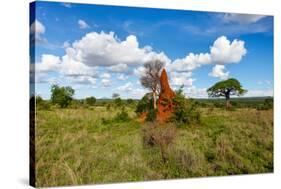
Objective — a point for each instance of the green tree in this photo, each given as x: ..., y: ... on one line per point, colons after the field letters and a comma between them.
x: 90, y: 100
x: 226, y: 89
x: 61, y: 95
x: 115, y: 95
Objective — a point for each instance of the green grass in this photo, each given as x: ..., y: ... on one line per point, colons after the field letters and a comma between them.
x: 80, y: 146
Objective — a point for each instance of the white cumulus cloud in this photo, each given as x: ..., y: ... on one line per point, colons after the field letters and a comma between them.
x: 105, y: 49
x: 223, y: 51
x: 219, y: 71
x: 178, y: 79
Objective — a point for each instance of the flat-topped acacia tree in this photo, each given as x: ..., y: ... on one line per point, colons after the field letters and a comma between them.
x: 226, y: 89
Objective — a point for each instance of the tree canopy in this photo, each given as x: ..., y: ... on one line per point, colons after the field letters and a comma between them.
x: 61, y: 95
x: 226, y: 89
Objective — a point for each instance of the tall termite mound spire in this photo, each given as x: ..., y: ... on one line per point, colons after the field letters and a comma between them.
x: 165, y: 102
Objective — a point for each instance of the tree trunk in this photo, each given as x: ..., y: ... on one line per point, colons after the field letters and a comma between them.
x: 154, y: 100
x: 227, y: 97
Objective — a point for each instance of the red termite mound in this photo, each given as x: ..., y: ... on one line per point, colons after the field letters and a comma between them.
x: 165, y: 101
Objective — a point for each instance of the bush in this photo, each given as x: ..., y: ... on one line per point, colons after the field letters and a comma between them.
x: 161, y: 135
x: 151, y: 115
x: 61, y: 95
x: 267, y: 104
x: 145, y: 105
x: 122, y: 116
x: 118, y: 102
x: 90, y: 101
x: 185, y: 111
x: 42, y: 104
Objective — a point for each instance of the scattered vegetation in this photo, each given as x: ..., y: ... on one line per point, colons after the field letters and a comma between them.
x: 185, y: 111
x: 92, y: 145
x: 61, y: 96
x: 101, y: 141
x: 226, y: 89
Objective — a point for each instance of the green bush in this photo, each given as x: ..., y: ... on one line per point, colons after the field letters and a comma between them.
x: 122, y: 116
x: 90, y: 101
x: 145, y: 104
x: 185, y: 111
x: 61, y: 96
x: 267, y: 104
x: 42, y: 104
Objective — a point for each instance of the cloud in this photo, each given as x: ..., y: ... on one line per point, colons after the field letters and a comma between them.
x: 106, y: 82
x: 194, y: 92
x: 178, y: 79
x: 105, y: 49
x: 66, y: 44
x: 105, y: 76
x: 128, y: 87
x: 223, y: 51
x: 140, y: 71
x: 190, y: 62
x: 48, y: 63
x: 119, y: 68
x: 37, y: 29
x: 84, y: 80
x: 122, y: 77
x: 219, y: 71
x: 242, y: 18
x: 82, y: 24
x: 65, y: 66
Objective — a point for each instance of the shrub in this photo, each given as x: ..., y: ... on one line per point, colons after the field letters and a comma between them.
x: 42, y: 104
x: 130, y: 101
x: 145, y: 105
x: 185, y: 110
x: 161, y: 135
x: 118, y: 102
x: 90, y: 101
x: 267, y: 104
x: 122, y: 116
x: 151, y: 115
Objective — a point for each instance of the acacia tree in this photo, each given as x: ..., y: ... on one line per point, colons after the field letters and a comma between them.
x: 151, y: 78
x: 226, y: 89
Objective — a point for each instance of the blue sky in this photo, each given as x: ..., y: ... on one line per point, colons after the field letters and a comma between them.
x: 99, y: 50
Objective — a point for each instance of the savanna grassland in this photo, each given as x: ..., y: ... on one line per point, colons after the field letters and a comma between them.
x: 88, y: 145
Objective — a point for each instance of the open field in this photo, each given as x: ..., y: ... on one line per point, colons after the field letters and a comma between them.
x: 86, y: 145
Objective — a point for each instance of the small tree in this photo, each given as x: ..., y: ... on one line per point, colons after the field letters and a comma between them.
x: 115, y: 95
x: 90, y: 101
x: 185, y: 110
x: 151, y: 78
x: 61, y: 95
x: 225, y: 89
